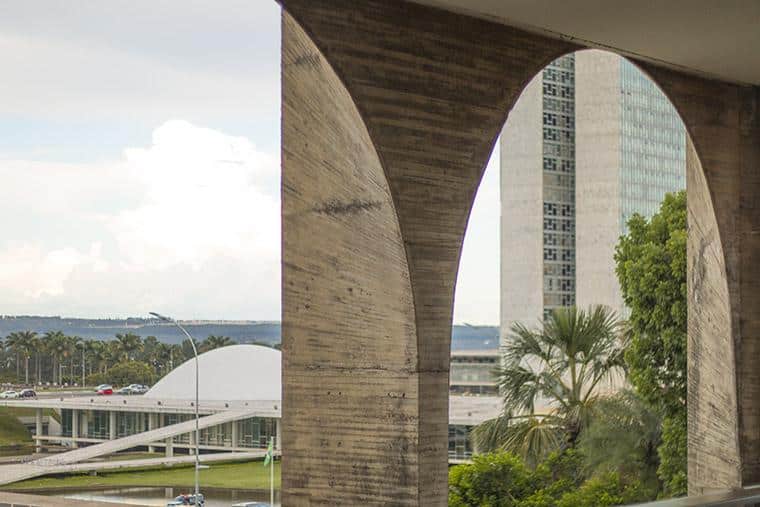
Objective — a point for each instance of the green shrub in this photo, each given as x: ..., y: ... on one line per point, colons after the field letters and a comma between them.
x: 491, y: 480
x: 128, y: 372
x: 604, y: 490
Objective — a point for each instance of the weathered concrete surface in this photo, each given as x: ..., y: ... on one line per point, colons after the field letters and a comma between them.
x: 724, y: 279
x: 380, y: 168
x: 390, y: 111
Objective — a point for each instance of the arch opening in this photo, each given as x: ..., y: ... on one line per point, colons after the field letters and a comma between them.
x: 591, y: 141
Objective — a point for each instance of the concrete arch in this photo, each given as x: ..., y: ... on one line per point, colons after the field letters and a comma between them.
x: 723, y: 252
x: 390, y: 112
x: 348, y: 331
x: 433, y: 90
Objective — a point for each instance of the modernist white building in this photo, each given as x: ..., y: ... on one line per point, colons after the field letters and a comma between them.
x: 240, y: 393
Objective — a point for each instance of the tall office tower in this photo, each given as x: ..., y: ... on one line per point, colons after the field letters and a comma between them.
x: 590, y: 142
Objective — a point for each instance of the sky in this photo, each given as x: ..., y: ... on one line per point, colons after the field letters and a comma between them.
x: 139, y: 164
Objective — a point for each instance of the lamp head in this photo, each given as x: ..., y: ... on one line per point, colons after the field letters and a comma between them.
x: 161, y: 317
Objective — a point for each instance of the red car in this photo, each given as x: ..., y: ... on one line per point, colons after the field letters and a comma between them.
x: 104, y: 389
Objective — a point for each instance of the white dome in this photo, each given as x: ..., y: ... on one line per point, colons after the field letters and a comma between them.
x: 236, y: 372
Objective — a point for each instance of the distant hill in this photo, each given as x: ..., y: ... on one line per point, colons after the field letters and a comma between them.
x: 464, y: 337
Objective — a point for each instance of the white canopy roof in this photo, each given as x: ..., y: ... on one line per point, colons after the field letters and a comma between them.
x: 237, y: 372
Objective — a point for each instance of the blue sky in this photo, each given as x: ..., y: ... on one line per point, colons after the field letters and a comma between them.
x: 113, y: 116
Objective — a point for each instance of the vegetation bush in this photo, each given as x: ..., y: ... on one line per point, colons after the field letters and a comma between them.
x: 491, y: 480
x: 501, y: 479
x: 128, y: 372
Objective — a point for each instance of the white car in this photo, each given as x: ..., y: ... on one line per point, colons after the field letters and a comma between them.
x: 9, y: 395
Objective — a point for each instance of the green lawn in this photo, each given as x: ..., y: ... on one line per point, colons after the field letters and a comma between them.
x: 12, y: 432
x: 251, y: 475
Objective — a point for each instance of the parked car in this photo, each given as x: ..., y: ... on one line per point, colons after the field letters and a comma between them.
x: 124, y: 391
x: 104, y: 389
x: 187, y: 500
x: 9, y: 395
x: 27, y: 393
x: 138, y: 388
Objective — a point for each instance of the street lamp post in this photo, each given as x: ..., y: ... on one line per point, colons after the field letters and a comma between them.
x: 197, y: 431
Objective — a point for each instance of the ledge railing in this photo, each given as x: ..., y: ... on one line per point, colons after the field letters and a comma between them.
x: 747, y: 497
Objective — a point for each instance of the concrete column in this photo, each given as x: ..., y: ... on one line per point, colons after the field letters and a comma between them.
x: 85, y: 423
x: 151, y: 426
x: 380, y: 169
x: 74, y: 428
x: 278, y: 434
x: 192, y: 442
x: 169, y: 447
x: 235, y: 433
x: 38, y: 429
x: 112, y: 425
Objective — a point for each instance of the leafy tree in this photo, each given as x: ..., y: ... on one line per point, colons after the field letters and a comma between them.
x: 562, y: 365
x: 502, y: 479
x: 215, y: 342
x: 129, y: 345
x: 672, y: 454
x: 623, y: 437
x: 605, y: 490
x: 492, y: 480
x: 187, y: 350
x: 128, y: 372
x: 651, y: 267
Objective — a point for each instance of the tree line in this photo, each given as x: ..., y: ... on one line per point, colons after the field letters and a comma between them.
x: 57, y: 358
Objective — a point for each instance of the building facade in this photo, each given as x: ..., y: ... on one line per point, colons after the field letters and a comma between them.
x: 472, y: 372
x: 590, y: 142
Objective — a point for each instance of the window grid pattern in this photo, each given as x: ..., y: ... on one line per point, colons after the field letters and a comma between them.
x: 559, y: 183
x: 653, y: 146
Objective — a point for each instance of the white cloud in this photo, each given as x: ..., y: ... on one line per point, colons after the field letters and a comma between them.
x: 30, y: 273
x: 205, y: 196
x: 189, y: 225
x: 193, y: 217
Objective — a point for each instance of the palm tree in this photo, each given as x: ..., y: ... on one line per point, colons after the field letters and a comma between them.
x: 129, y: 344
x: 623, y: 437
x: 113, y: 354
x: 215, y: 342
x: 29, y: 340
x: 72, y: 343
x: 57, y: 347
x: 187, y: 349
x: 97, y: 355
x: 551, y: 378
x: 14, y: 342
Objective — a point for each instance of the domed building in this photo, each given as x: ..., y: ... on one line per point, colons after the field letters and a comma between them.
x: 239, y: 404
x: 234, y: 373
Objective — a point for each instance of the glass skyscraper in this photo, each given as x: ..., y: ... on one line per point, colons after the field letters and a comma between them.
x: 590, y: 142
